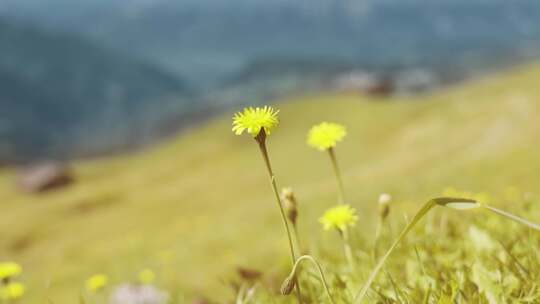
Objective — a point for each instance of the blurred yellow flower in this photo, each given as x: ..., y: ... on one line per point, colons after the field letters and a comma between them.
x: 96, y: 282
x: 325, y: 135
x: 147, y: 276
x: 253, y: 120
x: 9, y: 270
x: 12, y: 291
x: 339, y: 217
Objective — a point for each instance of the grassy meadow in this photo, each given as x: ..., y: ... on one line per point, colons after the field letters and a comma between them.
x: 196, y: 207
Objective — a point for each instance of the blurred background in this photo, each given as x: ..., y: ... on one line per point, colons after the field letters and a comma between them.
x: 87, y: 77
x: 115, y: 145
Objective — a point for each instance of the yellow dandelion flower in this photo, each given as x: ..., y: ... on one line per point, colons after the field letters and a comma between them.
x: 9, y: 270
x: 147, y: 276
x: 253, y: 120
x: 96, y: 282
x: 339, y: 217
x: 326, y: 135
x: 12, y: 291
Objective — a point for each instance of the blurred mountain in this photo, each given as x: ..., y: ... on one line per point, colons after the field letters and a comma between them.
x: 56, y: 89
x: 207, y: 41
x: 84, y: 83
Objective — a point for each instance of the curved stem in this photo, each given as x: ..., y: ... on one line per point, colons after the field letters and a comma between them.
x: 337, y: 172
x: 262, y: 145
x: 321, y: 273
x: 362, y: 293
x: 513, y: 217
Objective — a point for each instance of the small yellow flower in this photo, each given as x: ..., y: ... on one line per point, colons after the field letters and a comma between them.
x: 96, y: 282
x: 9, y: 270
x: 12, y: 291
x: 326, y: 135
x: 146, y: 276
x: 339, y: 217
x: 253, y: 120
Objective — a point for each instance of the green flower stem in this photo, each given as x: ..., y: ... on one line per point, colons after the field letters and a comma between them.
x: 348, y: 250
x: 337, y: 172
x: 319, y: 268
x: 261, y: 140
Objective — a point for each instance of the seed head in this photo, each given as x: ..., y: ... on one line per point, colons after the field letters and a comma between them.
x: 288, y: 285
x: 384, y: 205
x: 289, y: 202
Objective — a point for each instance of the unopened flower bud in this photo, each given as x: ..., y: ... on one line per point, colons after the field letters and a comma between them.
x: 288, y: 285
x: 384, y: 205
x: 289, y: 202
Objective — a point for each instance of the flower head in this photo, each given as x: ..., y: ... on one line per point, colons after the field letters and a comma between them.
x: 146, y: 276
x: 326, y: 135
x: 9, y: 270
x: 12, y: 291
x: 253, y: 120
x: 339, y: 217
x: 96, y: 282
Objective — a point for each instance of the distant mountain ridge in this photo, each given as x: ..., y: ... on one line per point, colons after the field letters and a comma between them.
x: 210, y: 40
x: 230, y: 52
x: 55, y: 88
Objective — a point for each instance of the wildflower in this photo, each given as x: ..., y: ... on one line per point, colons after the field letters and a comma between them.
x: 325, y: 135
x: 12, y: 291
x: 253, y: 120
x: 259, y: 122
x: 96, y: 282
x: 147, y: 276
x: 9, y: 270
x: 340, y: 217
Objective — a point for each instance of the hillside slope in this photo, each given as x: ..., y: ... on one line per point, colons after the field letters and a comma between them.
x: 197, y: 207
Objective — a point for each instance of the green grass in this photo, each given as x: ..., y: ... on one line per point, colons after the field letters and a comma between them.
x: 198, y: 206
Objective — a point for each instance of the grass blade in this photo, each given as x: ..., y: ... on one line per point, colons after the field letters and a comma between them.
x: 513, y: 217
x: 451, y: 202
x: 419, y: 215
